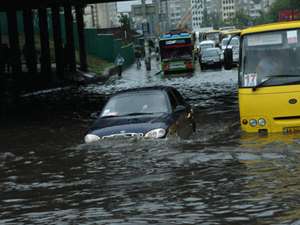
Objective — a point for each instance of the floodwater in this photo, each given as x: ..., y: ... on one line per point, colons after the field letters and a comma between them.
x: 218, y: 176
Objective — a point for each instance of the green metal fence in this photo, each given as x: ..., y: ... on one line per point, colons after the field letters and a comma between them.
x: 104, y: 46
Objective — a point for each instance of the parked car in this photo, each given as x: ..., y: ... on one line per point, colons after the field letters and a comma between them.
x: 149, y: 112
x: 211, y: 57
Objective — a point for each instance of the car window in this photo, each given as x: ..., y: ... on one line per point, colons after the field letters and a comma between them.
x: 172, y: 100
x: 211, y: 52
x: 179, y: 97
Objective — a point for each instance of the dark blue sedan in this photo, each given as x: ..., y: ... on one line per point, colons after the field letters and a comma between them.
x: 149, y: 112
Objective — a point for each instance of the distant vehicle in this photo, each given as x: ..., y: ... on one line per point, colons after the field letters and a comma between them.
x: 149, y: 112
x: 269, y: 78
x: 211, y: 57
x: 206, y: 44
x: 214, y: 35
x: 234, y: 45
x: 177, y: 52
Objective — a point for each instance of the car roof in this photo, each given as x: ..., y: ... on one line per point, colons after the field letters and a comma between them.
x: 207, y: 42
x: 142, y: 89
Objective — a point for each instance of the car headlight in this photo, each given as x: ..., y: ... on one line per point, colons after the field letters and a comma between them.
x: 89, y: 138
x: 262, y: 122
x: 156, y: 133
x: 253, y: 122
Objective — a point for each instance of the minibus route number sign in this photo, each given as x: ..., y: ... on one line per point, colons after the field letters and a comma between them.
x: 250, y: 80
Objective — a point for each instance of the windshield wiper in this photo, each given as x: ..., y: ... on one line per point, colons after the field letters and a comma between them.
x: 261, y: 84
x: 109, y: 116
x: 137, y: 114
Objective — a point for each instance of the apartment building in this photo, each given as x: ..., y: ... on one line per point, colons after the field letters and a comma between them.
x: 102, y: 15
x: 199, y: 7
x: 140, y: 24
x: 178, y: 12
x: 229, y: 8
x: 197, y: 14
x: 254, y: 8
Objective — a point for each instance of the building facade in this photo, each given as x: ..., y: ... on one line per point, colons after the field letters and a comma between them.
x: 178, y: 12
x: 145, y: 25
x: 104, y: 15
x: 197, y: 14
x: 229, y: 8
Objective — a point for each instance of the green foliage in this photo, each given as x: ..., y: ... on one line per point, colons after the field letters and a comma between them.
x: 242, y: 19
x: 216, y: 21
x: 124, y: 21
x: 280, y: 5
x: 125, y: 27
x: 206, y: 20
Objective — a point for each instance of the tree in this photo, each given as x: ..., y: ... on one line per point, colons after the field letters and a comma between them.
x: 242, y: 19
x: 217, y: 21
x: 206, y: 21
x: 125, y: 25
x: 280, y: 5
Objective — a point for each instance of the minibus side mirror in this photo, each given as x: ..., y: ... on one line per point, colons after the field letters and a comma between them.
x: 228, y: 59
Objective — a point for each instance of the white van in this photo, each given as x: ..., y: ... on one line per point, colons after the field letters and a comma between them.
x: 234, y: 44
x: 206, y: 44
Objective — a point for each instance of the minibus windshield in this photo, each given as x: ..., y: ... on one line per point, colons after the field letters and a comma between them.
x: 273, y: 54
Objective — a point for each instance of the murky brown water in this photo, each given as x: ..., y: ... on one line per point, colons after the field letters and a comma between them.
x: 219, y: 176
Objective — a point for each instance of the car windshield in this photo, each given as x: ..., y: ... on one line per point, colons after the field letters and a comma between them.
x: 210, y: 53
x: 136, y: 103
x: 225, y: 41
x: 212, y: 36
x: 234, y: 42
x: 205, y: 46
x: 270, y: 59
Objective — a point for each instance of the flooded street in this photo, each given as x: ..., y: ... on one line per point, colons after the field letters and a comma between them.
x: 218, y: 176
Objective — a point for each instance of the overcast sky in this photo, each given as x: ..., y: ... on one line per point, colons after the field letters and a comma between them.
x: 125, y: 6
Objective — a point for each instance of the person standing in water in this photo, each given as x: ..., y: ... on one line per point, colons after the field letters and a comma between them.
x: 119, y: 61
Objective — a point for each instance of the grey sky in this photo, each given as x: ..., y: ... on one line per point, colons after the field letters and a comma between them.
x: 126, y: 6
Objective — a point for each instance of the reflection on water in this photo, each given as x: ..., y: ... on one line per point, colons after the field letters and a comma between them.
x: 219, y: 176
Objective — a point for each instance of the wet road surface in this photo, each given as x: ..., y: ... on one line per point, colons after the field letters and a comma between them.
x: 218, y: 176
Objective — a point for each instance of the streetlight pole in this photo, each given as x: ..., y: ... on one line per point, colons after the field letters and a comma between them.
x: 146, y: 43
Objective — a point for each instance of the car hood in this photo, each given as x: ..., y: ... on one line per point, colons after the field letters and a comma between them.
x: 210, y: 58
x: 130, y: 124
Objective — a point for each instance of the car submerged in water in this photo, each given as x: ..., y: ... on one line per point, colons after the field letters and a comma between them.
x: 148, y: 112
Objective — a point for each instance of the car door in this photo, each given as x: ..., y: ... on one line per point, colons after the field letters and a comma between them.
x: 188, y: 114
x: 180, y: 109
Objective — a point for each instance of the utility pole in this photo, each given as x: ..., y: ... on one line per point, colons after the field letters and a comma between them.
x: 146, y: 32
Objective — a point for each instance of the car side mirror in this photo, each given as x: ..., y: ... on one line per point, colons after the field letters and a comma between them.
x: 228, y: 59
x: 180, y: 108
x: 95, y: 115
